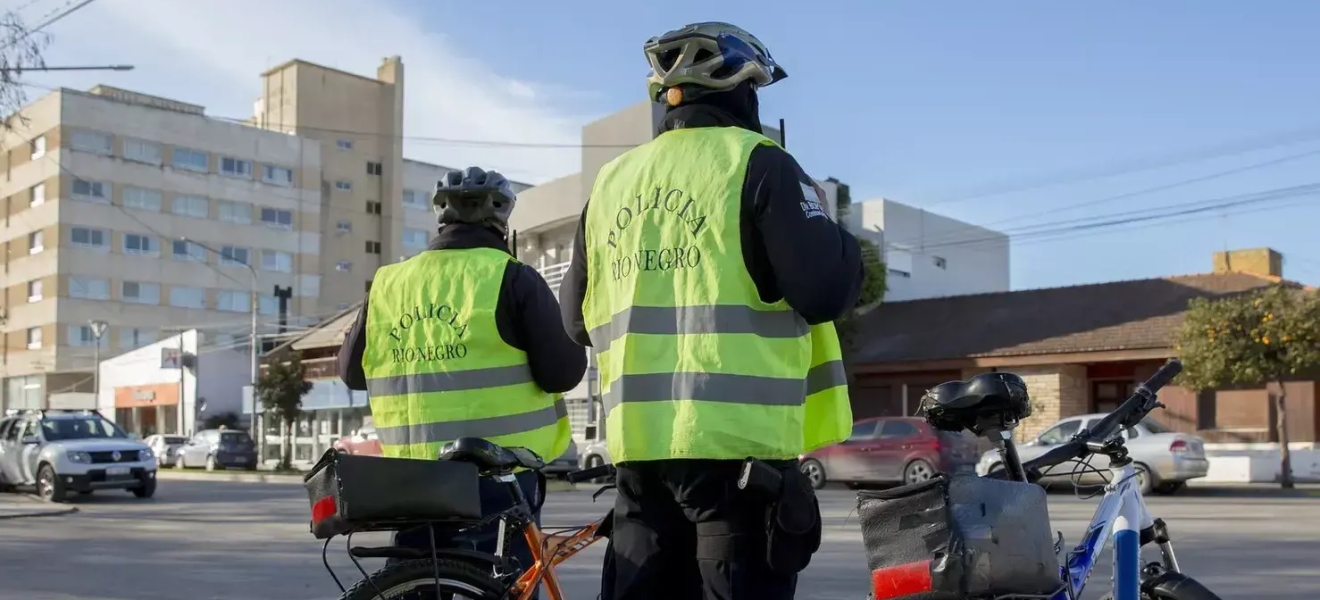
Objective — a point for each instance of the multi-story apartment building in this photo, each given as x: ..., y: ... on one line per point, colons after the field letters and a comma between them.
x: 142, y: 213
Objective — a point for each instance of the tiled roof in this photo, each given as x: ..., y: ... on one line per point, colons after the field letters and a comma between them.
x: 1121, y: 315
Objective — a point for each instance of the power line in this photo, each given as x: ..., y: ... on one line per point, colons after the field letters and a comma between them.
x: 55, y: 17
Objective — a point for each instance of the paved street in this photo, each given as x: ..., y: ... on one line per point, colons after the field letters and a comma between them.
x: 222, y: 541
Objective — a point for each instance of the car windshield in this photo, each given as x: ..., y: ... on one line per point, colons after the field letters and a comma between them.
x: 1153, y: 427
x: 234, y: 436
x: 79, y: 428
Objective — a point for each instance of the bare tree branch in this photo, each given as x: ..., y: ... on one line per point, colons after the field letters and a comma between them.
x: 20, y: 47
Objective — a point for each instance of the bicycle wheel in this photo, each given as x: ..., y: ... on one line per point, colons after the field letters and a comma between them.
x: 417, y: 579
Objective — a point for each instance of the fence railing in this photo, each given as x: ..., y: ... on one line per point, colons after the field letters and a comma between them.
x: 554, y: 274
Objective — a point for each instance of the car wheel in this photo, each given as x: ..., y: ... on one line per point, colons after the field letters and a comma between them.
x: 147, y: 489
x: 815, y: 473
x: 210, y: 462
x: 918, y: 471
x: 49, y: 486
x: 1146, y: 479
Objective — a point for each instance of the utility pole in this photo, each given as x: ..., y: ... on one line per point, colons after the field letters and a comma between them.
x: 98, y: 329
x: 284, y: 295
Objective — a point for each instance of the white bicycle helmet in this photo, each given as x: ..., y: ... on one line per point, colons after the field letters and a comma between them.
x: 707, y: 57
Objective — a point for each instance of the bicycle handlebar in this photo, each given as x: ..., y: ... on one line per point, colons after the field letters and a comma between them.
x: 1132, y: 411
x: 591, y: 473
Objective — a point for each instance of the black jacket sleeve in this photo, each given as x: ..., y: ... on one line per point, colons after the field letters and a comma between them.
x: 815, y: 265
x: 350, y: 354
x: 532, y: 314
x: 573, y: 288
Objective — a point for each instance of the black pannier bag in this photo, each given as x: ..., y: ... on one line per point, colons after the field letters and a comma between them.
x: 350, y: 492
x: 952, y: 538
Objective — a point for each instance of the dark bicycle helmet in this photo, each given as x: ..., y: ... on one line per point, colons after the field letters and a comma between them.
x: 476, y: 197
x: 706, y: 57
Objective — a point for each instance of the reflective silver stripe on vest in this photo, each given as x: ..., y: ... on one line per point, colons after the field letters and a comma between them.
x: 825, y: 376
x: 722, y: 387
x: 487, y: 427
x: 427, y: 383
x: 719, y: 318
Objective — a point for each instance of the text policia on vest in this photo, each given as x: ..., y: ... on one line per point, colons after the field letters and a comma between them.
x: 429, y: 312
x: 671, y: 203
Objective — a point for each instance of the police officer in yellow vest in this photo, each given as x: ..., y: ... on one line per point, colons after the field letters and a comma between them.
x: 706, y: 275
x: 462, y: 340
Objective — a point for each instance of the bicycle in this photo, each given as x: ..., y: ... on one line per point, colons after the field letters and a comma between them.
x: 444, y: 573
x: 1122, y: 513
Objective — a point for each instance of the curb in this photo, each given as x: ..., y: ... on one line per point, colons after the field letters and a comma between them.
x: 553, y: 485
x: 20, y: 513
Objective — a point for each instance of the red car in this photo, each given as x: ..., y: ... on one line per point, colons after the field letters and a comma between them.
x: 891, y: 450
x: 363, y: 441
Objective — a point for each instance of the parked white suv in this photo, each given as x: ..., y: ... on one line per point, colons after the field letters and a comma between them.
x: 62, y: 452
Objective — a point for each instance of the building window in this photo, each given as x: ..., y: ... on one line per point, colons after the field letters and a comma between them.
x: 373, y: 247
x: 235, y: 212
x: 91, y: 191
x: 234, y: 256
x: 34, y: 338
x: 90, y: 141
x: 343, y: 185
x: 374, y: 168
x: 274, y: 217
x: 185, y: 250
x: 236, y: 167
x: 415, y: 238
x: 192, y: 160
x: 131, y: 339
x: 36, y: 242
x: 344, y: 266
x: 343, y: 227
x: 188, y: 297
x: 276, y: 175
x: 268, y: 305
x: 86, y: 237
x: 38, y: 147
x: 940, y: 263
x: 231, y: 301
x: 373, y: 207
x: 38, y: 195
x: 344, y: 144
x: 275, y: 260
x: 90, y: 288
x: 139, y: 292
x: 144, y: 245
x: 34, y: 290
x: 143, y: 152
x: 83, y: 336
x: 190, y: 206
x: 416, y: 199
x: 142, y: 199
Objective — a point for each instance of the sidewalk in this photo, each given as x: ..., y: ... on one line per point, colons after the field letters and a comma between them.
x: 262, y: 476
x: 1302, y: 490
x: 18, y: 506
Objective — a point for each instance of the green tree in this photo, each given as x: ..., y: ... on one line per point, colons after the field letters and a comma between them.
x: 1256, y: 339
x: 873, y: 293
x: 281, y: 389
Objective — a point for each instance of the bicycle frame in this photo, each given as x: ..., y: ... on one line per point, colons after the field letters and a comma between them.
x: 548, y: 551
x: 1122, y: 515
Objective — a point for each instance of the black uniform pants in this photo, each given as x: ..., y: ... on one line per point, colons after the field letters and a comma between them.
x: 495, y: 498
x: 669, y: 511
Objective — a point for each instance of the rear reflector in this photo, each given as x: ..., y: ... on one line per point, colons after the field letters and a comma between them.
x: 901, y: 581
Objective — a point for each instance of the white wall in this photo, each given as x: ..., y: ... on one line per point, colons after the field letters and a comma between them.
x: 930, y: 255
x: 219, y: 376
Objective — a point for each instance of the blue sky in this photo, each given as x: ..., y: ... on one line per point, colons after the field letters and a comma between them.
x: 927, y: 103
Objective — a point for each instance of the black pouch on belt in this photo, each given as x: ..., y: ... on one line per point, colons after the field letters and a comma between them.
x: 792, y: 521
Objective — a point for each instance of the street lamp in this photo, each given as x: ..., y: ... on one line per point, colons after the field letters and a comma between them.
x: 98, y: 329
x: 252, y: 424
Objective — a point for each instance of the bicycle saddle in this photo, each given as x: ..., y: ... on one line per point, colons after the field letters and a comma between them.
x: 490, y: 457
x: 959, y: 405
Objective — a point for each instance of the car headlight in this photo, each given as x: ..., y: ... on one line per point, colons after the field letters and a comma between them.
x: 145, y: 454
x: 79, y: 457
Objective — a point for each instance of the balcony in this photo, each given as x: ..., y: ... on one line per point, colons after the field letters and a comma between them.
x: 554, y: 274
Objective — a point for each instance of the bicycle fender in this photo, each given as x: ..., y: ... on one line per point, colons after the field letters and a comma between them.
x: 1176, y: 586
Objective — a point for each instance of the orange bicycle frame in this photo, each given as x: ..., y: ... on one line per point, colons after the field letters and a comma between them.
x: 547, y: 552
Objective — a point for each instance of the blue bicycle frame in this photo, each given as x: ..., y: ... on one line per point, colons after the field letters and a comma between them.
x: 1122, y: 515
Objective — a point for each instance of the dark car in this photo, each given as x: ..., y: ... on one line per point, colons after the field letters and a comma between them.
x: 891, y: 450
x: 218, y: 448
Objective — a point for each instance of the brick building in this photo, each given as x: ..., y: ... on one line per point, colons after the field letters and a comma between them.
x: 1081, y: 349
